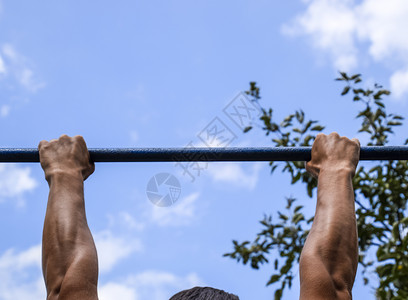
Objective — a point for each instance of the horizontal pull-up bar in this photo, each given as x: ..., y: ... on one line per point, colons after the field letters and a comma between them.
x: 205, y: 154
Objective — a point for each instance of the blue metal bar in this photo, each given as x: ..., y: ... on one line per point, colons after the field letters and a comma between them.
x: 14, y: 155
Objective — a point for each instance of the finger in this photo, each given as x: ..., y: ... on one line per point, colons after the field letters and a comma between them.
x: 335, y: 134
x: 65, y: 139
x: 89, y: 171
x: 79, y: 138
x: 81, y: 142
x: 355, y: 140
x: 41, y: 144
x: 319, y: 137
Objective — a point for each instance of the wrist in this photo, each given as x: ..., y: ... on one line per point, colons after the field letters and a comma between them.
x: 341, y: 171
x: 56, y: 175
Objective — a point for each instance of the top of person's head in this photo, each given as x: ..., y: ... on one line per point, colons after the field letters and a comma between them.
x: 204, y: 293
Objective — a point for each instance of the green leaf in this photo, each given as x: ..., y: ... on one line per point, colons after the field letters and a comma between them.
x: 273, y: 279
x: 358, y: 91
x: 309, y: 191
x: 345, y: 90
x: 297, y: 208
x: 394, y: 123
x: 297, y: 218
x: 307, y: 126
x: 307, y: 140
x: 380, y: 104
x: 296, y: 178
x: 344, y: 75
x: 278, y: 294
x: 282, y: 216
x: 317, y: 128
x: 247, y: 129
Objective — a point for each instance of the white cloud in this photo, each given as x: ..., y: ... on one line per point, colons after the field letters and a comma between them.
x: 4, y: 110
x: 399, y: 83
x: 2, y: 66
x: 114, y: 291
x: 131, y: 222
x: 125, y: 221
x: 235, y: 174
x: 16, y: 66
x: 21, y: 278
x: 9, y: 52
x: 22, y: 260
x: 383, y: 24
x: 180, y: 213
x: 330, y: 24
x: 134, y: 136
x: 137, y: 93
x: 343, y: 28
x: 20, y: 274
x: 112, y: 249
x: 15, y: 181
x: 150, y: 284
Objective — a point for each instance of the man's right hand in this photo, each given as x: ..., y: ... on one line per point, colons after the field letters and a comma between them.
x: 65, y: 155
x: 335, y: 153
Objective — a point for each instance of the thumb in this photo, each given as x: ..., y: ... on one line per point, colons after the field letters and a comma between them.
x: 356, y: 141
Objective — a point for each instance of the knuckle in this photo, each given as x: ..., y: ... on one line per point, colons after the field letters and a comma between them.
x: 42, y: 144
x: 356, y: 141
x: 64, y: 137
x: 79, y: 139
x: 320, y: 136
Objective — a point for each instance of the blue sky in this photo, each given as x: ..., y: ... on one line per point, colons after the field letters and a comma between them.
x: 157, y: 73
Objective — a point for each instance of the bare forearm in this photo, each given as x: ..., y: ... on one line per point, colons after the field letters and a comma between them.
x: 66, y: 198
x: 67, y: 239
x: 333, y: 237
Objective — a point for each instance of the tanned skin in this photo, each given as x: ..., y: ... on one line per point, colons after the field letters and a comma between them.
x: 328, y: 262
x: 69, y: 259
x: 329, y: 258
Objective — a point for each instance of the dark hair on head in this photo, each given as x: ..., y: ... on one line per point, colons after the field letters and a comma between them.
x: 203, y: 293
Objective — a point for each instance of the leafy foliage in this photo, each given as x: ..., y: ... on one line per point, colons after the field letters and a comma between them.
x: 380, y: 195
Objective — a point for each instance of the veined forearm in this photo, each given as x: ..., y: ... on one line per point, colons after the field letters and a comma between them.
x: 66, y: 208
x: 334, y: 230
x: 66, y: 232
